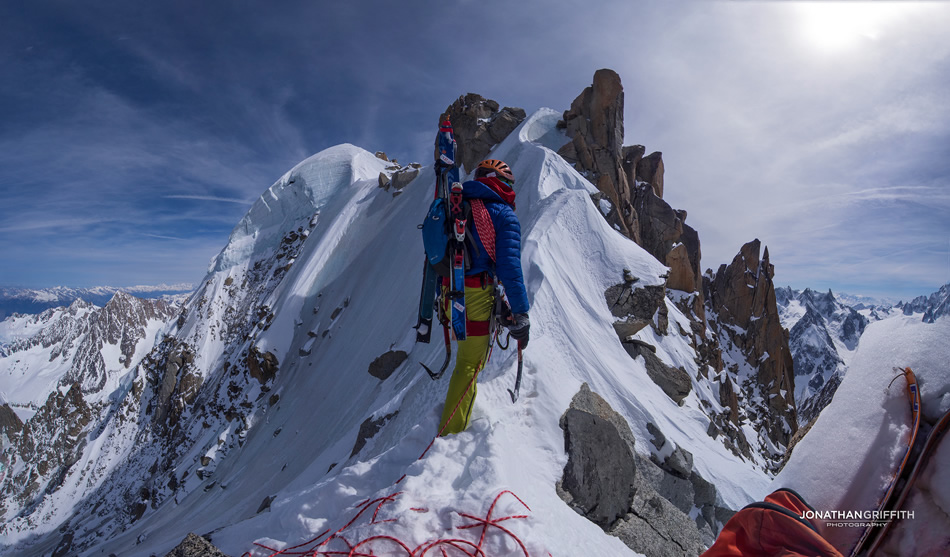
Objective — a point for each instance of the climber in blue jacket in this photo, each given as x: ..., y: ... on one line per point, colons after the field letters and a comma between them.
x: 499, y: 256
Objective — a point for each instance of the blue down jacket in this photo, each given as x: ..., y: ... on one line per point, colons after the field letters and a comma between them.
x: 507, y: 245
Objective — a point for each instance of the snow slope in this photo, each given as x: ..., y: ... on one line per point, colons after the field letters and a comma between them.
x: 845, y: 462
x: 43, y: 349
x: 284, y: 471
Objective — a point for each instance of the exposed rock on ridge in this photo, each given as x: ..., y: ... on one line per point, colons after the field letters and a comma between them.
x: 742, y: 297
x: 630, y: 181
x: 645, y: 504
x: 195, y: 546
x: 48, y: 445
x: 479, y: 125
x: 10, y: 423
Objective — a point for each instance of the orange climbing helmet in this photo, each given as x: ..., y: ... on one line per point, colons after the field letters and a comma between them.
x: 494, y: 167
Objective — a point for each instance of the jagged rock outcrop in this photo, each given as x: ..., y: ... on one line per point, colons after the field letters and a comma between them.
x: 674, y: 381
x: 10, y: 423
x: 631, y: 188
x: 630, y: 181
x: 933, y: 307
x: 479, y: 125
x: 742, y: 297
x: 645, y: 504
x: 48, y: 445
x: 178, y: 384
x: 595, y: 125
x: 195, y: 546
x: 633, y: 305
x: 649, y: 170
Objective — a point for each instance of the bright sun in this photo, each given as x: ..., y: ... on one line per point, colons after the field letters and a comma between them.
x: 837, y: 26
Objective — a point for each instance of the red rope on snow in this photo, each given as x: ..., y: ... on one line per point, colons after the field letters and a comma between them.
x: 316, y: 548
x: 314, y: 545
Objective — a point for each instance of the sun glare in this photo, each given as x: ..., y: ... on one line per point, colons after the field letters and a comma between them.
x: 837, y: 26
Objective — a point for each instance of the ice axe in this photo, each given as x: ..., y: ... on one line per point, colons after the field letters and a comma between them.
x: 514, y: 393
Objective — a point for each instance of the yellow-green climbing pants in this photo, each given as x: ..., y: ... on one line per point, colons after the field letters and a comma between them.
x: 471, y: 356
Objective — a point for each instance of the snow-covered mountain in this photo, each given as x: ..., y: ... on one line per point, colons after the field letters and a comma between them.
x: 823, y: 334
x: 33, y: 301
x: 285, y: 399
x: 932, y: 307
x: 825, y: 331
x: 82, y: 343
x: 277, y: 370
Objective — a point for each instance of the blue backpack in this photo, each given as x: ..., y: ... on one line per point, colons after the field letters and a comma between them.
x: 436, y: 235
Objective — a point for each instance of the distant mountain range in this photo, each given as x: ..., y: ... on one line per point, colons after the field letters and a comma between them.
x: 824, y: 331
x: 33, y: 301
x: 933, y: 306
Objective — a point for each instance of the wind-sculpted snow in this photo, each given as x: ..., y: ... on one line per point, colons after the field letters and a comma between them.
x: 847, y: 459
x: 298, y: 195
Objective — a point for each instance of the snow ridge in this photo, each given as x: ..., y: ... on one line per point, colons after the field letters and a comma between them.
x: 244, y: 420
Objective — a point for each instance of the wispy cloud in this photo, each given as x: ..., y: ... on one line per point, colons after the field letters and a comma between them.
x: 134, y: 129
x: 210, y: 198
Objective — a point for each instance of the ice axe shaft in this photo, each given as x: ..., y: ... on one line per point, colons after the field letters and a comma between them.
x: 514, y: 393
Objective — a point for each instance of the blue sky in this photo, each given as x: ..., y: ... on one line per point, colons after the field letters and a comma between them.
x: 134, y: 135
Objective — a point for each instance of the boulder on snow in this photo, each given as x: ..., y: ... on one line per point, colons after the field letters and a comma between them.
x: 402, y: 177
x: 657, y: 528
x: 674, y: 381
x: 634, y: 305
x: 262, y: 367
x: 384, y: 366
x: 607, y: 482
x: 600, y: 477
x: 368, y: 429
x: 195, y: 546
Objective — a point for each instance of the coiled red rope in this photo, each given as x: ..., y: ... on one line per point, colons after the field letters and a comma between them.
x: 319, y: 546
x: 369, y: 547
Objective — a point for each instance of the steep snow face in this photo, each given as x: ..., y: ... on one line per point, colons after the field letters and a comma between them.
x: 318, y: 281
x: 299, y: 194
x: 847, y: 459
